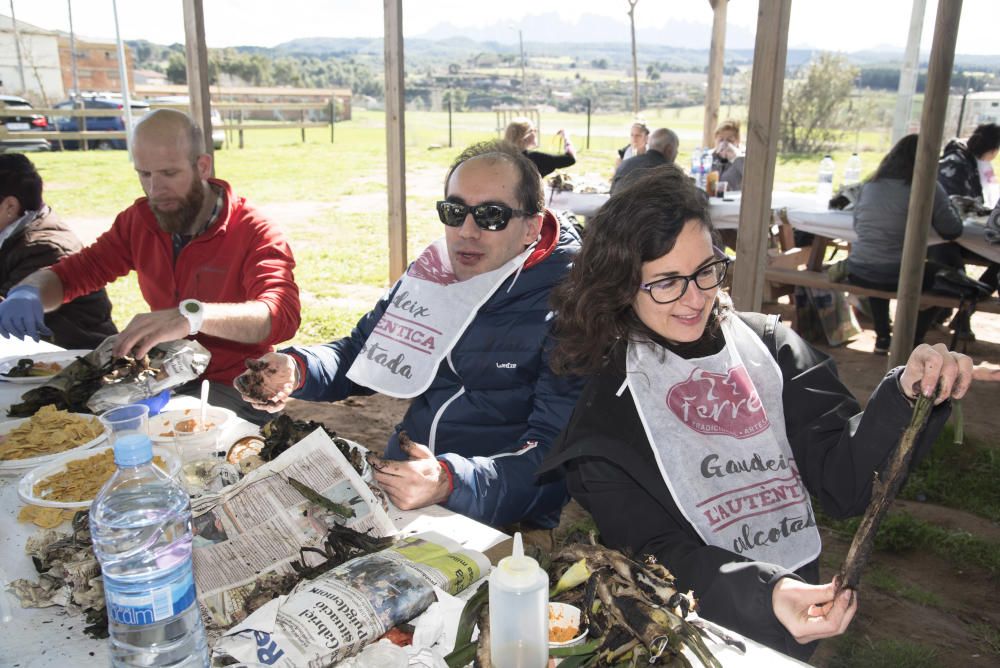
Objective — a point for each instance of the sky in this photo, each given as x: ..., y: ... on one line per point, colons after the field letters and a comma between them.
x: 845, y: 25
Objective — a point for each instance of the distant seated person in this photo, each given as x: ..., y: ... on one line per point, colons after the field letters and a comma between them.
x: 465, y: 334
x: 638, y: 137
x: 661, y: 150
x: 727, y: 157
x: 209, y: 266
x: 966, y: 169
x: 32, y: 237
x: 966, y: 166
x: 521, y: 132
x: 880, y: 224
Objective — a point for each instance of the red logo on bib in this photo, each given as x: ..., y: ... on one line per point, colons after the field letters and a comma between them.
x: 719, y: 404
x: 430, y: 266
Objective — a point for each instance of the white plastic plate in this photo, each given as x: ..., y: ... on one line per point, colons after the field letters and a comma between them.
x: 25, y: 488
x: 64, y: 357
x: 19, y: 466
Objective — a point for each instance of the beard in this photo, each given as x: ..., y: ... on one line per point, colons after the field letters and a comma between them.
x: 181, y: 219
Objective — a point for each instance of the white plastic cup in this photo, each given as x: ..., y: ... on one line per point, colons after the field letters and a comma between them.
x: 197, y: 447
x: 125, y: 420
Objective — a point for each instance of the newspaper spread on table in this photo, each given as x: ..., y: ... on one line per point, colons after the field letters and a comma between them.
x: 257, y: 527
x: 326, y: 620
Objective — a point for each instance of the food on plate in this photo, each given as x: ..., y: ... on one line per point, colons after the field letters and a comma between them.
x: 29, y: 368
x: 244, y: 448
x: 46, y: 518
x: 81, y: 479
x: 191, y: 425
x: 47, y: 432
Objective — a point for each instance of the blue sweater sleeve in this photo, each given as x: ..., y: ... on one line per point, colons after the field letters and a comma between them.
x: 503, y: 488
x: 326, y: 365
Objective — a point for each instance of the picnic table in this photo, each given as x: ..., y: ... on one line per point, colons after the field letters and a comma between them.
x: 49, y: 638
x: 802, y: 211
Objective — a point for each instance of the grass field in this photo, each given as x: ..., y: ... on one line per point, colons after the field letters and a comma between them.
x: 337, y: 190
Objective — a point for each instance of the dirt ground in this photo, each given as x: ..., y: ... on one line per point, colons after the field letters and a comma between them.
x: 966, y: 600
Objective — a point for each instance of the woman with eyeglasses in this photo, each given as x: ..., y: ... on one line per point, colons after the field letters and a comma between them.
x: 703, y: 431
x: 521, y: 132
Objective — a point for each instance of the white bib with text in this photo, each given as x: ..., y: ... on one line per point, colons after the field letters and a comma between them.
x: 425, y: 319
x: 717, y: 428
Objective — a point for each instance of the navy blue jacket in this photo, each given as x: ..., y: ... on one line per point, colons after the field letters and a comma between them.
x: 494, y: 408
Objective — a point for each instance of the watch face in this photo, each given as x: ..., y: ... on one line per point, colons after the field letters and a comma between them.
x: 191, y: 307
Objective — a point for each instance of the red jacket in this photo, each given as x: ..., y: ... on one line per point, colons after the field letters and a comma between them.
x: 242, y: 257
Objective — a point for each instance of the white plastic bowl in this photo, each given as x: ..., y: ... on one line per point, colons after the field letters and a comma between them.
x: 161, y: 426
x: 26, y: 487
x: 564, y: 614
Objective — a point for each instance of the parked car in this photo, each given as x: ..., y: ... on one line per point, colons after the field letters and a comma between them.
x: 16, y: 116
x: 218, y: 129
x: 97, y: 123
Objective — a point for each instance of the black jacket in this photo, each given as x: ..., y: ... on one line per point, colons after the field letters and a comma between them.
x: 611, y: 471
x: 83, y: 322
x: 548, y: 162
x: 958, y: 171
x: 633, y: 167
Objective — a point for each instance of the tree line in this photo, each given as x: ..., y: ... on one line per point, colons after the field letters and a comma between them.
x: 260, y: 67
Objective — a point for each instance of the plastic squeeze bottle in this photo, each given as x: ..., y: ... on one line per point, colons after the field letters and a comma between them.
x: 519, y: 612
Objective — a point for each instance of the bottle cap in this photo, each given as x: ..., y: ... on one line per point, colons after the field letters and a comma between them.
x: 133, y: 449
x: 517, y: 571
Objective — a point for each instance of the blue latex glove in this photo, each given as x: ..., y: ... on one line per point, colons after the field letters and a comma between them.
x: 21, y: 314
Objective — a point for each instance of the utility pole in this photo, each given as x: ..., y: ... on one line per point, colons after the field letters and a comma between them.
x: 123, y: 73
x: 908, y: 72
x: 524, y: 83
x: 72, y: 53
x: 17, y: 45
x: 635, y: 62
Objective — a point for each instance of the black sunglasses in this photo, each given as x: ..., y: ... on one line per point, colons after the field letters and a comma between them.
x: 492, y: 217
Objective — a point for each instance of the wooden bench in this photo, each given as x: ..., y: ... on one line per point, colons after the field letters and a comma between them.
x: 816, y: 279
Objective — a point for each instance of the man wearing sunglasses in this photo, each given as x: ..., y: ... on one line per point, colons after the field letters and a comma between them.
x: 463, y: 333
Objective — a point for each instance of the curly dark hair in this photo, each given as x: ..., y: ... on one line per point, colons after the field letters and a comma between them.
x: 18, y: 177
x: 985, y: 139
x: 638, y: 224
x: 529, y: 190
x: 898, y: 163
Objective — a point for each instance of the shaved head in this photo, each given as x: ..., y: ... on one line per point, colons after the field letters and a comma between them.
x: 169, y: 126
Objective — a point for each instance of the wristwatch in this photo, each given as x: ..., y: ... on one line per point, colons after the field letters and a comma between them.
x: 194, y: 311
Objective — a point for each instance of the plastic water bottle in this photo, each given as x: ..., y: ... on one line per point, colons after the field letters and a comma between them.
x: 696, y: 165
x: 852, y: 173
x: 519, y: 612
x: 706, y: 166
x: 141, y: 528
x: 824, y: 184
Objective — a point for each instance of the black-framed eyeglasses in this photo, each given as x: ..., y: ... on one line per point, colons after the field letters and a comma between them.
x: 672, y: 288
x: 492, y: 217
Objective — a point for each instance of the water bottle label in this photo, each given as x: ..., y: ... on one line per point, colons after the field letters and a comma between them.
x: 148, y: 607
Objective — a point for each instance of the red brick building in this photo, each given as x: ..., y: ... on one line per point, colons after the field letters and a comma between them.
x: 96, y: 65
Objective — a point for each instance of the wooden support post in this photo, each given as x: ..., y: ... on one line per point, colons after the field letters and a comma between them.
x: 302, y: 119
x: 333, y: 116
x: 716, y: 60
x: 918, y: 216
x: 197, y: 71
x: 395, y: 136
x: 766, y: 87
x: 241, y: 128
x: 908, y: 72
